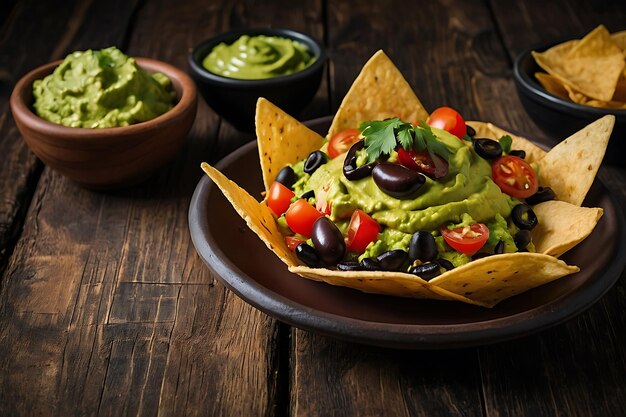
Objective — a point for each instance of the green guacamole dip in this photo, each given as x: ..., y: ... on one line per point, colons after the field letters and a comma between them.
x: 258, y: 57
x: 466, y: 195
x: 104, y: 88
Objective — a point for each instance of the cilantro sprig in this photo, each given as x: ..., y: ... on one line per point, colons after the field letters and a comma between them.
x: 382, y: 137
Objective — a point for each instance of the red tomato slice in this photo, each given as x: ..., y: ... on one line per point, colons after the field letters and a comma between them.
x: 279, y: 198
x: 466, y: 239
x: 292, y: 242
x: 300, y: 217
x: 341, y: 142
x: 421, y: 161
x: 361, y: 231
x: 514, y: 176
x: 448, y: 119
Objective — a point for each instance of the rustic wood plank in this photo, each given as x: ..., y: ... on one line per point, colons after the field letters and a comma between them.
x: 577, y: 369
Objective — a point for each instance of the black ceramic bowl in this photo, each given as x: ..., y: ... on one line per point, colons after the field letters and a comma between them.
x: 235, y: 99
x: 559, y: 118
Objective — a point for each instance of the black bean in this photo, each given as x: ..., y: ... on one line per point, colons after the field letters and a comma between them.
x: 328, y: 240
x: 315, y: 160
x: 392, y: 260
x: 370, y: 264
x: 470, y: 131
x: 349, y: 266
x: 487, y: 148
x: 522, y: 239
x: 350, y: 169
x: 499, y: 248
x: 524, y: 217
x: 426, y: 271
x: 519, y: 153
x: 445, y: 264
x: 423, y: 246
x: 307, y: 255
x: 397, y: 180
x: 286, y: 177
x: 308, y: 194
x: 542, y: 194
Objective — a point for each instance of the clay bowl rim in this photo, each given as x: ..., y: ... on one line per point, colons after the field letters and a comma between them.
x: 204, y: 47
x: 186, y: 97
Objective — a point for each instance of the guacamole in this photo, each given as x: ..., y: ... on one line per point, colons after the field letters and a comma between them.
x: 452, y: 211
x: 258, y: 57
x: 100, y: 89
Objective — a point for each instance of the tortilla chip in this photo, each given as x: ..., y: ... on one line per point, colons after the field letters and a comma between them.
x: 592, y: 65
x: 491, y: 131
x: 552, y: 84
x: 282, y: 140
x: 571, y: 166
x: 619, y: 39
x: 489, y: 280
x: 257, y: 215
x: 562, y: 226
x: 380, y: 282
x: 380, y: 91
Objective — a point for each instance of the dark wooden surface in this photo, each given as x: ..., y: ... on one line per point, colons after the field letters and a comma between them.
x: 105, y: 308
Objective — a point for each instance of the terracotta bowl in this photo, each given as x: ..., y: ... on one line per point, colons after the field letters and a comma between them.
x: 109, y: 157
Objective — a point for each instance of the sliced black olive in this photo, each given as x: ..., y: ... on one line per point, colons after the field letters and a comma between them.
x: 519, y: 153
x: 480, y: 255
x: 307, y: 255
x: 315, y: 160
x: 350, y: 169
x: 499, y: 248
x: 328, y: 240
x: 445, y: 264
x: 286, y: 177
x: 349, y: 266
x: 426, y: 271
x: 470, y: 131
x: 487, y: 148
x: 370, y: 264
x: 522, y: 239
x: 542, y: 194
x: 423, y: 246
x: 524, y: 217
x: 397, y: 181
x: 308, y: 194
x: 392, y: 260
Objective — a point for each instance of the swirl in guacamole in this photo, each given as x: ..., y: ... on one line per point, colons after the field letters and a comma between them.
x: 258, y: 57
x: 100, y: 89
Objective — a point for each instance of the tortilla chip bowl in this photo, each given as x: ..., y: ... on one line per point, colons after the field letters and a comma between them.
x: 559, y: 117
x: 235, y: 99
x: 107, y: 158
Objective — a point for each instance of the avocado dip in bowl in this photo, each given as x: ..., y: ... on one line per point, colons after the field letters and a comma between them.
x: 106, y: 123
x: 232, y: 70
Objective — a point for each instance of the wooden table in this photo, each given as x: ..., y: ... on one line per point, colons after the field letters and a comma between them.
x: 106, y: 309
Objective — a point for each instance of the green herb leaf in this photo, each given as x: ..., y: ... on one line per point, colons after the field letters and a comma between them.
x: 505, y: 142
x: 432, y: 144
x: 380, y: 137
x: 404, y: 136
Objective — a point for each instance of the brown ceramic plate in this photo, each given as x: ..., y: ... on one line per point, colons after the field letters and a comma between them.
x: 243, y: 263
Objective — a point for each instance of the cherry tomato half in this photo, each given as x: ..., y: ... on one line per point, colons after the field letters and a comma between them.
x: 300, y: 217
x: 362, y: 230
x: 514, y: 176
x: 279, y: 198
x: 421, y: 161
x: 466, y: 239
x: 341, y: 142
x: 448, y: 119
x: 292, y: 242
